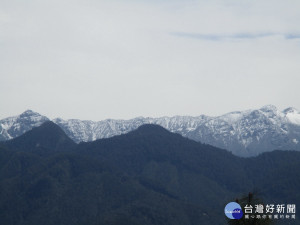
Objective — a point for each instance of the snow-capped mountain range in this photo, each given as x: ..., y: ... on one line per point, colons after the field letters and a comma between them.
x: 245, y: 133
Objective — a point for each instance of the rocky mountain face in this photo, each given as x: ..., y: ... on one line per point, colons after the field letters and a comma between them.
x: 15, y: 126
x: 245, y: 133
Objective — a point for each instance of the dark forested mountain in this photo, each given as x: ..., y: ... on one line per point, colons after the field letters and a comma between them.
x: 148, y: 176
x: 244, y: 133
x: 48, y: 136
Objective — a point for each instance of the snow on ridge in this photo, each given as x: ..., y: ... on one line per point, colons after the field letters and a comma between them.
x: 290, y: 110
x: 242, y: 132
x: 293, y: 118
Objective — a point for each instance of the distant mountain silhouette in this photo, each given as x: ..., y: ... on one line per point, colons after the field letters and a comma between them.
x: 147, y: 176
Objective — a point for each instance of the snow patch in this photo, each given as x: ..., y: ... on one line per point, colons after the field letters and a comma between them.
x: 293, y: 118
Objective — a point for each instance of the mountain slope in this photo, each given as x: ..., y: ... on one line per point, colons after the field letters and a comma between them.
x: 148, y: 176
x: 48, y: 137
x: 15, y: 126
x: 246, y: 133
x: 95, y: 189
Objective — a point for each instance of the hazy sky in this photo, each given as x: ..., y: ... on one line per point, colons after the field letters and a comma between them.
x: 94, y: 59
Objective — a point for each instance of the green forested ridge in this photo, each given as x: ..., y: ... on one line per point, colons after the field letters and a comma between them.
x: 148, y: 176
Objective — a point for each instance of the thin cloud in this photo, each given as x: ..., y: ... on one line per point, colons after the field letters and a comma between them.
x: 292, y: 36
x: 122, y: 56
x: 222, y: 37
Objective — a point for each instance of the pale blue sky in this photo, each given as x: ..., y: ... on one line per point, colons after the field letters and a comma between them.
x: 122, y: 59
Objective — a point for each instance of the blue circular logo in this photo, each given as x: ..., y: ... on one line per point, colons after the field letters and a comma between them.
x: 233, y: 211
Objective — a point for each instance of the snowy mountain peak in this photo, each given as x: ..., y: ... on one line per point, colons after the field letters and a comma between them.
x: 29, y: 112
x: 268, y: 108
x: 12, y: 127
x: 270, y: 111
x: 232, y: 117
x: 292, y: 115
x: 290, y: 110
